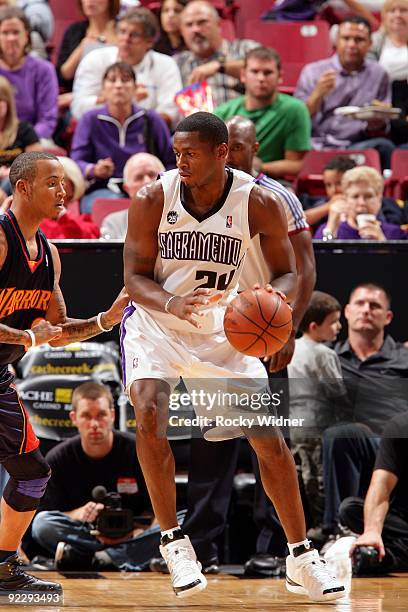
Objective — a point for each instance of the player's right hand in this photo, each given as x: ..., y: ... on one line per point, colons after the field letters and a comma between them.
x: 188, y: 307
x: 44, y: 331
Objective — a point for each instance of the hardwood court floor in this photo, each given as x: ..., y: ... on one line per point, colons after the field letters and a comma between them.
x: 147, y: 592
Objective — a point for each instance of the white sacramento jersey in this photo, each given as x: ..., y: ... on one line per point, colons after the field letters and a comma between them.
x: 255, y: 269
x: 206, y: 252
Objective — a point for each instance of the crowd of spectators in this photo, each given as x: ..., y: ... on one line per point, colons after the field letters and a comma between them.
x: 113, y: 87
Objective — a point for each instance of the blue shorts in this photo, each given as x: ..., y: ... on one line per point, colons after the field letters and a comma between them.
x: 16, y: 433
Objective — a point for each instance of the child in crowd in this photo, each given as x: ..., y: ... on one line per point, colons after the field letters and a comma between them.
x: 332, y: 175
x: 315, y: 380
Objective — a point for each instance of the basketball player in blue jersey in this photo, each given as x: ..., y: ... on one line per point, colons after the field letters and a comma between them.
x: 32, y: 312
x: 187, y: 237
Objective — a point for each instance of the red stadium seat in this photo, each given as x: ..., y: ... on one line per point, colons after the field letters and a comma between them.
x: 102, y: 207
x: 310, y: 178
x: 297, y: 42
x: 398, y: 183
x: 65, y: 12
x: 250, y: 10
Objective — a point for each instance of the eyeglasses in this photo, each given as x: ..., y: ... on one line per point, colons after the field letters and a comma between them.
x: 128, y: 34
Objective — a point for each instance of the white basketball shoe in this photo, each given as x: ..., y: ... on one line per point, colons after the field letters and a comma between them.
x: 185, y: 570
x: 307, y: 574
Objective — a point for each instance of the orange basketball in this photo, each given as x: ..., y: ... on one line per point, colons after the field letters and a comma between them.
x: 257, y: 322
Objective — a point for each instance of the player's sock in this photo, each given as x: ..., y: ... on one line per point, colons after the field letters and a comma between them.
x: 170, y: 535
x: 5, y: 554
x: 298, y: 548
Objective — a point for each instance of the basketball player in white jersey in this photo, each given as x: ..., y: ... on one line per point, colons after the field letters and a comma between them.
x: 187, y: 236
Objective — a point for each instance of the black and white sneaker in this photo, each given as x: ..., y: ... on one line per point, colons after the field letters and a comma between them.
x: 308, y: 574
x: 185, y: 570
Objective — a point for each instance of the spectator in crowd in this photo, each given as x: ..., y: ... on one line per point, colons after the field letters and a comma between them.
x: 140, y: 169
x: 34, y: 79
x: 382, y: 519
x: 210, y: 57
x: 375, y: 369
x: 332, y: 176
x: 298, y: 10
x: 106, y: 137
x: 170, y: 40
x: 15, y: 136
x: 357, y: 219
x: 282, y: 122
x: 390, y: 49
x: 39, y: 14
x: 157, y: 74
x: 98, y: 456
x: 346, y: 79
x: 70, y: 225
x: 315, y: 377
x: 97, y: 30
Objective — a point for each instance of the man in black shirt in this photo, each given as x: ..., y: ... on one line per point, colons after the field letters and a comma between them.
x: 375, y: 370
x: 32, y: 312
x: 97, y: 456
x: 382, y: 519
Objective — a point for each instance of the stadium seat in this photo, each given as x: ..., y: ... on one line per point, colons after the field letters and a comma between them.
x: 248, y: 10
x: 398, y: 183
x: 102, y: 207
x: 65, y: 12
x: 297, y: 42
x: 310, y: 178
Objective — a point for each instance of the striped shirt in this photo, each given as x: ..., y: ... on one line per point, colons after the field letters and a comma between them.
x: 255, y: 268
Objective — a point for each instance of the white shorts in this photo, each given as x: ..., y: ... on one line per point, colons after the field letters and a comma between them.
x: 204, y: 361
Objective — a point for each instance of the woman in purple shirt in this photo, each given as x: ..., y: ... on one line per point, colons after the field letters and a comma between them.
x: 363, y: 188
x: 34, y: 80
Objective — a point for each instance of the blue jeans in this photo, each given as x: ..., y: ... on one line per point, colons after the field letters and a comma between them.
x: 134, y: 555
x: 384, y: 147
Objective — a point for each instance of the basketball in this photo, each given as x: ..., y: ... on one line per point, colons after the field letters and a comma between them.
x: 258, y: 322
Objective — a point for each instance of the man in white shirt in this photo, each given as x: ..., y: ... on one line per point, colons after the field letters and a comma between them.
x: 158, y: 76
x: 140, y: 169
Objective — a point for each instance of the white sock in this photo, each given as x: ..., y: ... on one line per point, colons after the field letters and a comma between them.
x: 305, y: 543
x: 169, y: 532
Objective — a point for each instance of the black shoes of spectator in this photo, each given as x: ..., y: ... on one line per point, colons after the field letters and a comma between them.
x: 15, y: 581
x: 70, y: 559
x: 158, y: 564
x: 263, y: 565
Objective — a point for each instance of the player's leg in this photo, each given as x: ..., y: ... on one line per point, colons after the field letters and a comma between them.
x: 305, y: 571
x: 150, y: 401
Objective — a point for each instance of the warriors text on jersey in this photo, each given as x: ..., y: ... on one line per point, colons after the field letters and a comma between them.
x: 25, y: 286
x: 205, y: 252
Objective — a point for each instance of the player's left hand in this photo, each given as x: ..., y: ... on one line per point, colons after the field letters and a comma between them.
x: 282, y: 358
x: 201, y: 73
x: 114, y: 314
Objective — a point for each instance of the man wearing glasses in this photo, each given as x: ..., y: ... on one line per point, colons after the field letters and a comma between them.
x: 158, y: 76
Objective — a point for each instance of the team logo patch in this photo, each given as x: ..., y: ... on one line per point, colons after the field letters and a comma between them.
x: 228, y: 222
x: 172, y: 217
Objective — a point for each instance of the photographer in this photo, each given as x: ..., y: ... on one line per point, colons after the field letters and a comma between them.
x: 83, y: 533
x: 382, y: 519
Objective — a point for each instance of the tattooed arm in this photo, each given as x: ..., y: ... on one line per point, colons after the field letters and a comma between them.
x: 74, y: 330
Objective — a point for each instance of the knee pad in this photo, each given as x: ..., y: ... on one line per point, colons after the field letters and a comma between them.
x: 29, y: 474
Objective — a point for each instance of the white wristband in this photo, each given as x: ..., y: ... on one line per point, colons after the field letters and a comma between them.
x: 32, y: 336
x: 99, y: 323
x: 166, y: 306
